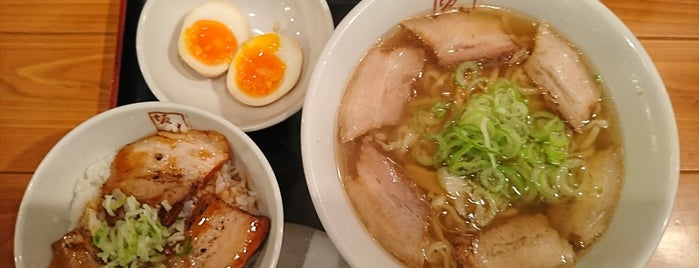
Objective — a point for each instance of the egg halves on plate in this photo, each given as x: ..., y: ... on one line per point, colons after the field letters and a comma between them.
x: 210, y: 36
x: 265, y: 68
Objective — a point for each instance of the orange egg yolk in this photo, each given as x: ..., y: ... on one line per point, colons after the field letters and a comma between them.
x: 210, y: 42
x: 259, y: 72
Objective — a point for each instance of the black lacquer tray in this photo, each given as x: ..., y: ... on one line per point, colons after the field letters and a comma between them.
x: 280, y: 143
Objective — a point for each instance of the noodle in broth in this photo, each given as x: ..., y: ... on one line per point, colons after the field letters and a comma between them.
x: 464, y: 203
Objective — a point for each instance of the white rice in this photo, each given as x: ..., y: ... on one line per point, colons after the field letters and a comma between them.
x: 88, y: 187
x: 233, y: 187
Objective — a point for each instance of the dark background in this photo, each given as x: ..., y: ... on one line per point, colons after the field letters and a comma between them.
x: 280, y: 143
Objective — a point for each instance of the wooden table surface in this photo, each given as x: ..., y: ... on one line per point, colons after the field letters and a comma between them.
x: 57, y: 64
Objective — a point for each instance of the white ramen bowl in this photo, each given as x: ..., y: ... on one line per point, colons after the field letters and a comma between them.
x: 44, y: 212
x: 648, y: 128
x: 308, y: 22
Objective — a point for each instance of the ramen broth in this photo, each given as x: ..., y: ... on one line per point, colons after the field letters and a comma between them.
x: 436, y: 84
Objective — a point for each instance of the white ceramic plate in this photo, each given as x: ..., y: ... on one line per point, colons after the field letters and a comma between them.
x: 649, y: 131
x: 44, y: 212
x: 171, y: 80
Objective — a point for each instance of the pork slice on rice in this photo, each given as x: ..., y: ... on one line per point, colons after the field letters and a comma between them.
x: 167, y: 166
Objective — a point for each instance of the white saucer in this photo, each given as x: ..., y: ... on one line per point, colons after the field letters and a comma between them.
x: 309, y: 22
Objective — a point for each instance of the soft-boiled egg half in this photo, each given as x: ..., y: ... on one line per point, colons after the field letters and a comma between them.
x: 210, y: 36
x: 265, y: 68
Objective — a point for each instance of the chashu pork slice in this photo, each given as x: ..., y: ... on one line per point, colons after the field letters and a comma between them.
x: 393, y: 209
x: 75, y: 250
x: 556, y: 67
x: 378, y: 91
x: 167, y: 166
x: 456, y: 37
x: 583, y: 221
x: 222, y: 235
x: 523, y: 241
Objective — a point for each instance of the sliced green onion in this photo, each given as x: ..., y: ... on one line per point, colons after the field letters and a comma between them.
x: 496, y: 141
x: 136, y: 240
x: 542, y: 177
x: 566, y: 179
x: 493, y: 180
x: 498, y: 147
x: 466, y: 73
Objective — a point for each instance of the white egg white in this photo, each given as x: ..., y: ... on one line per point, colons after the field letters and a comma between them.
x: 216, y: 10
x: 291, y: 54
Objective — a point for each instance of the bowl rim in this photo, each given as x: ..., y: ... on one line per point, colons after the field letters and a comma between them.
x: 152, y: 106
x: 311, y: 121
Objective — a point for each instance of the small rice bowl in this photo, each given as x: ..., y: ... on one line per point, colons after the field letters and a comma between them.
x: 72, y: 172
